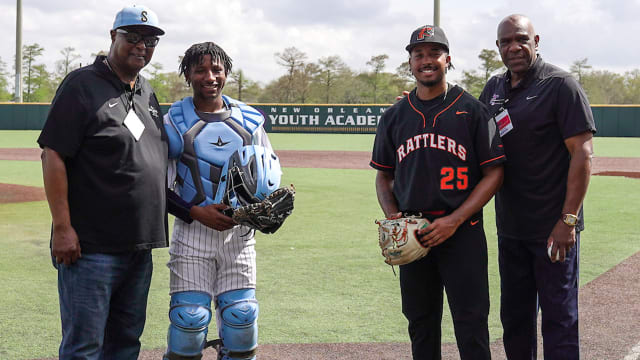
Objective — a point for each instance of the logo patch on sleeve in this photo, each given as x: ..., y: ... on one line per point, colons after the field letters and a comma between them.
x: 495, y: 100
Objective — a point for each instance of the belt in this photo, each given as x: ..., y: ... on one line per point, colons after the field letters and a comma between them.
x: 424, y: 213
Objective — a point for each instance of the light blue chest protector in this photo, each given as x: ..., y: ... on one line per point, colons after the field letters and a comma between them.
x: 203, y: 147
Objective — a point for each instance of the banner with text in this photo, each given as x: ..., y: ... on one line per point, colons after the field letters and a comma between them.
x: 298, y: 118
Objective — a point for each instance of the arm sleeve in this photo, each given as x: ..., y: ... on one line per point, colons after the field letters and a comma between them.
x: 487, y: 141
x: 383, y: 156
x: 574, y: 114
x: 178, y: 207
x: 66, y: 123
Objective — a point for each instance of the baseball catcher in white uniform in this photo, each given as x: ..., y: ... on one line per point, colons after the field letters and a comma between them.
x: 222, y: 160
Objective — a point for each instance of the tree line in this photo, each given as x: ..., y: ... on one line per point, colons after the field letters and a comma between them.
x: 326, y: 81
x: 39, y: 85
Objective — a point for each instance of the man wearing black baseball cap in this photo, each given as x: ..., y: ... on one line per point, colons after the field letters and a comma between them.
x: 439, y: 157
x: 428, y: 34
x: 104, y: 165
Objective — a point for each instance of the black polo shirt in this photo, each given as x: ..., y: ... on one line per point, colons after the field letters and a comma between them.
x: 116, y: 184
x: 545, y: 108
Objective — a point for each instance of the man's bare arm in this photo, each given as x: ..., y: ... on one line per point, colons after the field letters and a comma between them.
x: 581, y: 149
x: 384, y: 191
x: 65, y: 246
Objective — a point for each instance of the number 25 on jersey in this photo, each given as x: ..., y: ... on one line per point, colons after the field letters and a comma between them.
x: 454, y: 178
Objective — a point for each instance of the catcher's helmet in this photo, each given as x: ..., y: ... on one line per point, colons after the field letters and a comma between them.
x: 254, y: 173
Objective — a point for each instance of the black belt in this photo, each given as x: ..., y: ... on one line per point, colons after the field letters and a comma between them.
x: 424, y: 213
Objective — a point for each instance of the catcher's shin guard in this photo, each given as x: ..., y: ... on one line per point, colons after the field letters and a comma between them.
x: 190, y: 314
x: 238, y: 311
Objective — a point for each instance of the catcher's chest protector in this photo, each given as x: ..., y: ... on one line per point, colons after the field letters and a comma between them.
x: 203, y: 147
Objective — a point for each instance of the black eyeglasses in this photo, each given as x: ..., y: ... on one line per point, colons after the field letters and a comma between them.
x: 150, y: 41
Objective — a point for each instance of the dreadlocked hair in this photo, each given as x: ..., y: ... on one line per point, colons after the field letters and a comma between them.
x: 194, y: 55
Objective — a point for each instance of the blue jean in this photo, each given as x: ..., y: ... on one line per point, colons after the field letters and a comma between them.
x: 103, y: 304
x: 530, y: 281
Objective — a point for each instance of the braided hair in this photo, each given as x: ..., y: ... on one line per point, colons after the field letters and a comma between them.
x: 194, y: 55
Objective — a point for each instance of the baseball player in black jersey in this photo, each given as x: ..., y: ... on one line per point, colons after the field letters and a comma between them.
x: 438, y: 155
x: 546, y: 125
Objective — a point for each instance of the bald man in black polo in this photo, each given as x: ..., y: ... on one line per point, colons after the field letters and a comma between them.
x: 546, y: 126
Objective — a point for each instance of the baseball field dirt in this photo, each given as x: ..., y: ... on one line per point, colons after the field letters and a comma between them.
x: 10, y: 193
x: 609, y: 311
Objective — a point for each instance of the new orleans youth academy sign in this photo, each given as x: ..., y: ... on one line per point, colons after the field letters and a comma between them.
x: 359, y: 119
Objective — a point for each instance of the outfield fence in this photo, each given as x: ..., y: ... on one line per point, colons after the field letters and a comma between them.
x: 611, y: 120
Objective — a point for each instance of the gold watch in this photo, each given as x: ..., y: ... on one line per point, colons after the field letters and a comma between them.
x: 570, y: 219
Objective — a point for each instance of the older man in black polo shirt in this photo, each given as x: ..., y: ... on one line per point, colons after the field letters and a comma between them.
x: 104, y: 166
x: 546, y: 126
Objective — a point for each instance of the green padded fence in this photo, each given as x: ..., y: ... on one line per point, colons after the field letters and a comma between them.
x: 611, y: 120
x: 26, y: 116
x: 617, y: 120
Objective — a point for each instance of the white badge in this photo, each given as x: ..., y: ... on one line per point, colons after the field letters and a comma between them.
x: 503, y: 120
x: 134, y: 124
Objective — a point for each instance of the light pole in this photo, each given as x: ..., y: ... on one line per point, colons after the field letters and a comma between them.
x: 18, y: 84
x: 436, y: 12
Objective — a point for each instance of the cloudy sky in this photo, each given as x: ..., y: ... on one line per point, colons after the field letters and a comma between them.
x: 251, y: 31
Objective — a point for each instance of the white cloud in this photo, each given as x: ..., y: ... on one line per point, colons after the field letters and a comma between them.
x: 251, y: 31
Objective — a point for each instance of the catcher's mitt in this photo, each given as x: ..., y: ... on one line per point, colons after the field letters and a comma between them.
x: 399, y: 241
x: 269, y: 214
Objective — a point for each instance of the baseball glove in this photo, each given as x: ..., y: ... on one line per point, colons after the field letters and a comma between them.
x: 399, y: 241
x: 268, y: 215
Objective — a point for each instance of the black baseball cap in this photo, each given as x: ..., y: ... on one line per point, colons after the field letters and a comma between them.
x: 428, y: 34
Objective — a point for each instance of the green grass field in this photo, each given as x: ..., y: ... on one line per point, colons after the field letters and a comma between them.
x: 605, y: 147
x: 320, y: 278
x: 612, y: 147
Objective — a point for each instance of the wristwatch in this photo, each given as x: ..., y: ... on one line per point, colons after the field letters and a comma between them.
x: 570, y: 219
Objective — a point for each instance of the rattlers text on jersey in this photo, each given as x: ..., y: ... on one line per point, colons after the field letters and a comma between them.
x: 436, y: 149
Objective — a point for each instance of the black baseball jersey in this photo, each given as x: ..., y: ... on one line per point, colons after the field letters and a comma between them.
x: 545, y: 108
x: 436, y: 149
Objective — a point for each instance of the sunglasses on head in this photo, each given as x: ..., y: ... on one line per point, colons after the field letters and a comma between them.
x: 150, y: 41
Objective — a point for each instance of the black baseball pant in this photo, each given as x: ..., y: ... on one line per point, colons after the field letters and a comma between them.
x: 459, y: 266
